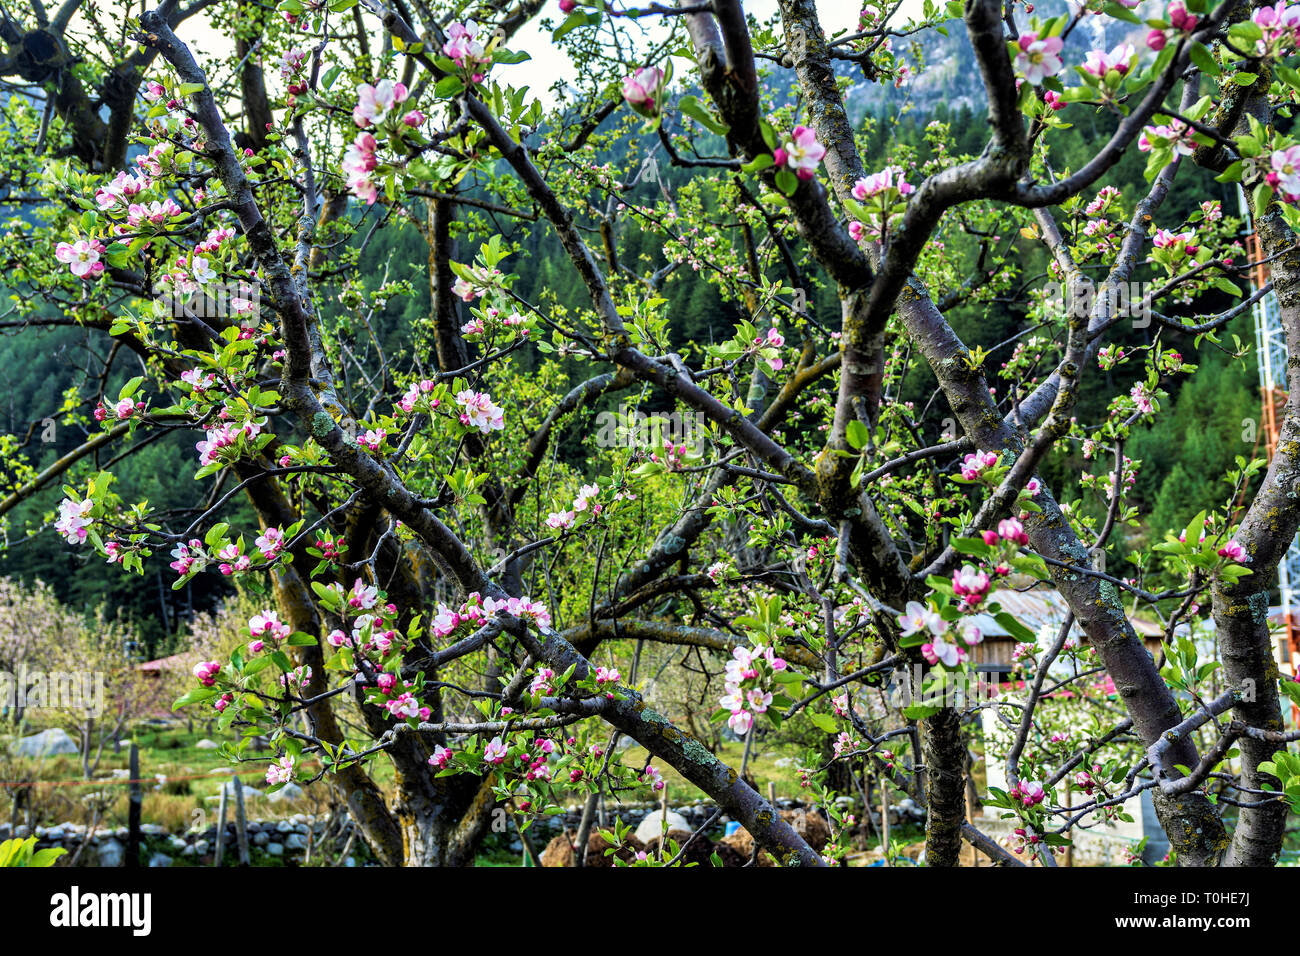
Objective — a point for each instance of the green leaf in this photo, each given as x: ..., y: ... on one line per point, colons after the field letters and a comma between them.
x: 920, y: 711
x: 824, y: 722
x: 1117, y: 12
x: 1204, y: 60
x: 448, y: 86
x: 195, y: 696
x: 787, y: 181
x: 1261, y: 198
x: 130, y: 388
x: 858, y: 434
x: 1015, y: 628
x: 692, y: 108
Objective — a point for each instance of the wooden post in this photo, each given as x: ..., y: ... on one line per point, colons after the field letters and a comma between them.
x: 531, y: 857
x: 972, y: 797
x: 134, y: 805
x: 1069, y: 850
x: 241, y: 823
x: 221, y: 827
x: 771, y: 793
x: 884, y: 821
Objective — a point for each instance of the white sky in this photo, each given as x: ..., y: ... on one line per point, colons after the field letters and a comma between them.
x: 548, y: 62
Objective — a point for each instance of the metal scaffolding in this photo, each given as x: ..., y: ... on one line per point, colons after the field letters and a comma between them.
x: 1271, y: 357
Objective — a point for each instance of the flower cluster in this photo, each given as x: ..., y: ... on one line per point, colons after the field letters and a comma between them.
x: 74, y: 520
x: 221, y: 442
x: 749, y: 680
x: 418, y: 397
x: 918, y: 618
x: 1100, y: 64
x: 372, y: 438
x: 115, y: 196
x: 232, y: 559
x: 1177, y: 136
x: 476, y: 610
x: 478, y: 411
x: 1022, y: 837
x: 296, y: 679
x: 1233, y: 551
x: 970, y: 584
x: 882, y: 196
x: 643, y: 90
x: 465, y: 48
x: 801, y: 153
x: 82, y: 257
x: 1030, y: 793
x: 1280, y: 26
x: 266, y: 628
x: 1038, y: 58
x: 280, y: 772
x: 1284, y: 174
x: 359, y: 162
x: 1009, y: 529
x: 975, y: 464
x: 398, y: 698
x: 206, y: 672
x: 189, y: 558
x: 491, y: 319
x: 375, y: 102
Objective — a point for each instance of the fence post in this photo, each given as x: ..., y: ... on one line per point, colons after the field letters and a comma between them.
x: 241, y: 823
x: 884, y: 820
x: 221, y: 826
x: 135, y: 802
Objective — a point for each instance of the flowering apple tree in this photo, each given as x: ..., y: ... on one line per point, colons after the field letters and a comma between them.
x: 430, y: 551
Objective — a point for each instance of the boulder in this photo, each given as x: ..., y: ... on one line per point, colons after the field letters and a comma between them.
x: 652, y: 826
x: 48, y: 743
x: 206, y: 744
x: 295, y: 841
x: 111, y: 853
x: 290, y: 791
x: 275, y: 849
x: 160, y: 859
